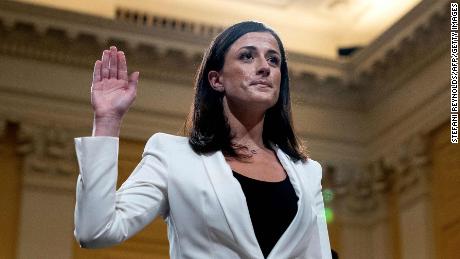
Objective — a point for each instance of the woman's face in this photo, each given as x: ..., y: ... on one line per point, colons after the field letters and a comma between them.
x: 251, y: 73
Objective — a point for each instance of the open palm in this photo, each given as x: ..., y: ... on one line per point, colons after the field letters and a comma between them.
x: 112, y: 91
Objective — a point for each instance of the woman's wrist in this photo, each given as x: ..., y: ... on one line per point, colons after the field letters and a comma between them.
x: 106, y: 126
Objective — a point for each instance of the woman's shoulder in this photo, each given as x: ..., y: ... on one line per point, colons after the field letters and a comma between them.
x: 314, y: 163
x: 312, y: 168
x: 165, y: 138
x: 309, y: 162
x: 164, y: 141
x: 161, y: 136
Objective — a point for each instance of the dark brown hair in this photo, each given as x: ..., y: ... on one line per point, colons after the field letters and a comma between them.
x: 207, y: 126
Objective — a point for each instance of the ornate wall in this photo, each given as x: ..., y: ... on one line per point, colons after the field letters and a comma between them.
x: 368, y: 119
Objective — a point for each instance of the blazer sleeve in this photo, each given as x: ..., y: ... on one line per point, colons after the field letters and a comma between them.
x: 104, y: 216
x: 320, y: 245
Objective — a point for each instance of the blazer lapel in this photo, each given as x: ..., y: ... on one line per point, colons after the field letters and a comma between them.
x: 295, y: 239
x: 233, y: 203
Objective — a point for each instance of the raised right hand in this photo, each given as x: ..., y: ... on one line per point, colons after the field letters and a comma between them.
x: 112, y: 92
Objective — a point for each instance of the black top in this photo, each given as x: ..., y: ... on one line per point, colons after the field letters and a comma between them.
x: 272, y: 206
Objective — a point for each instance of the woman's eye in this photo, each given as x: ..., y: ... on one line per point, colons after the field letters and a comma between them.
x: 246, y: 56
x: 274, y: 60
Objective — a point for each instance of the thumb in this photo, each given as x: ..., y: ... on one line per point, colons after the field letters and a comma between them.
x: 133, y: 79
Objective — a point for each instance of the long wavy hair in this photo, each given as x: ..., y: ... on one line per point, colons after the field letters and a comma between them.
x: 207, y: 126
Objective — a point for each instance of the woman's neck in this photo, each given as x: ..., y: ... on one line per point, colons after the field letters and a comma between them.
x: 246, y: 125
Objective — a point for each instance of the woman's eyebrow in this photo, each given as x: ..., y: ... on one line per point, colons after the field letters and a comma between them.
x: 253, y: 48
x: 272, y: 51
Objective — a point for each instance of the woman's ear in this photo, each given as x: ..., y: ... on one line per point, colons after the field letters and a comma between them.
x: 215, y: 81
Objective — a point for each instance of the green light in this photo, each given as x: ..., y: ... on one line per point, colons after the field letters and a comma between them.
x: 328, y: 195
x: 329, y: 214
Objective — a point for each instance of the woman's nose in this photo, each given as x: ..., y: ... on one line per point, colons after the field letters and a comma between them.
x: 263, y: 68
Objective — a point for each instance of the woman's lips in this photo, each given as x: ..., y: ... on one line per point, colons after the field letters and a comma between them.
x: 261, y: 82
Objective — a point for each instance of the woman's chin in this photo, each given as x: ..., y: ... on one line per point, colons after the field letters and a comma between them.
x: 263, y: 103
x: 268, y: 100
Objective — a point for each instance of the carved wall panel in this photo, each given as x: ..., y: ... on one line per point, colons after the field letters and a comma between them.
x: 332, y: 98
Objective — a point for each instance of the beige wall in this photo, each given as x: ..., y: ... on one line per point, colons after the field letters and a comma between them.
x: 445, y: 194
x: 10, y: 192
x: 386, y: 206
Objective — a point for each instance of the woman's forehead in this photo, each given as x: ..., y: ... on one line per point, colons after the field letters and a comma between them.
x: 257, y: 40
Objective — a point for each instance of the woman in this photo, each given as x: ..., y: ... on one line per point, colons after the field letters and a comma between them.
x: 238, y: 185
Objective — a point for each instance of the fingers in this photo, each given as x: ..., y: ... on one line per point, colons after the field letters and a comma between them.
x: 122, y: 68
x: 113, y: 63
x: 97, y: 71
x: 105, y: 64
x: 112, y: 66
x: 132, y: 83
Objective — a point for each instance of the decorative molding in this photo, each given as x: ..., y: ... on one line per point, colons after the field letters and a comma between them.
x: 166, y: 23
x: 75, y: 39
x: 421, y: 36
x: 49, y: 157
x: 410, y: 165
x: 331, y: 91
x: 56, y: 43
x: 407, y: 161
x: 404, y: 28
x: 55, y: 46
x: 359, y: 192
x: 363, y: 190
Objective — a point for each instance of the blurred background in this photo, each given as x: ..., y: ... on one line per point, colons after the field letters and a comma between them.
x: 370, y: 97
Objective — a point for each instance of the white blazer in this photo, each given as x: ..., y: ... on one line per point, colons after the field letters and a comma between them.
x: 202, y: 203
